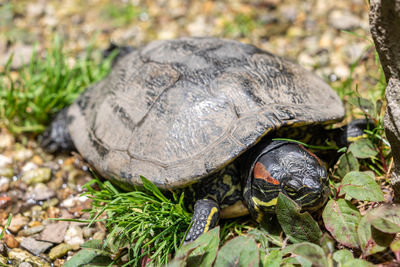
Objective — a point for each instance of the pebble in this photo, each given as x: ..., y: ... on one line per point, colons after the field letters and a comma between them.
x: 22, y: 154
x: 40, y: 192
x: 88, y: 232
x: 5, y: 201
x: 35, y: 10
x: 34, y: 246
x: 6, y: 140
x: 17, y: 222
x: 54, y: 232
x: 60, y: 251
x: 5, y: 161
x: 343, y: 20
x: 31, y: 231
x: 6, y: 172
x: 39, y: 175
x: 25, y: 264
x: 99, y: 235
x: 3, y: 260
x: 74, y: 236
x: 10, y: 240
x: 29, y: 166
x: 4, y: 184
x: 19, y: 256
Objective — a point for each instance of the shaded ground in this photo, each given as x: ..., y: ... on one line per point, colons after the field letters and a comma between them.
x: 327, y: 37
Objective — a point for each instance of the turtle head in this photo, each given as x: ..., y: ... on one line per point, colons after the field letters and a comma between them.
x: 290, y: 169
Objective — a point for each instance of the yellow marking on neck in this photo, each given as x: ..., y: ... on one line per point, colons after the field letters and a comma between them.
x: 355, y: 138
x: 258, y: 202
x: 212, y: 212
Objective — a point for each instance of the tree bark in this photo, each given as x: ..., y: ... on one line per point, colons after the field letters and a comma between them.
x: 384, y: 18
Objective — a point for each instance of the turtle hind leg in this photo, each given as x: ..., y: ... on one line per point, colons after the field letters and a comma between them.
x: 352, y: 132
x: 56, y: 137
x: 205, y: 217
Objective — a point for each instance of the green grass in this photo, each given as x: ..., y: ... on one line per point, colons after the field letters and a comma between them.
x: 29, y: 99
x: 122, y: 13
x: 143, y: 226
x: 241, y: 25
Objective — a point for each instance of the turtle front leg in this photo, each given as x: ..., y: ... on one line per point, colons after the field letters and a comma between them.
x: 205, y: 217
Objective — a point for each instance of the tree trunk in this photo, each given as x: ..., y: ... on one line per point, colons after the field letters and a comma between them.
x: 384, y: 18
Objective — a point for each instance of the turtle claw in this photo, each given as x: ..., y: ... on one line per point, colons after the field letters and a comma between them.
x: 205, y: 217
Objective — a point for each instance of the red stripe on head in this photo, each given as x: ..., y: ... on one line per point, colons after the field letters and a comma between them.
x: 260, y: 172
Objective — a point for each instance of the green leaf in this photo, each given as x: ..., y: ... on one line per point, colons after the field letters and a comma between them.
x: 361, y: 186
x: 365, y: 105
x: 263, y: 236
x: 87, y: 256
x: 203, y: 249
x: 273, y: 259
x: 327, y: 244
x: 395, y: 247
x: 358, y: 263
x: 347, y: 163
x: 371, y: 239
x: 94, y: 243
x: 342, y: 256
x: 310, y: 252
x: 298, y: 226
x: 180, y: 260
x: 363, y: 149
x: 293, y: 262
x: 386, y: 219
x: 341, y: 219
x: 240, y: 251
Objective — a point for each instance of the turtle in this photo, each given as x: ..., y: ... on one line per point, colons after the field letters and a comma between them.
x: 201, y: 116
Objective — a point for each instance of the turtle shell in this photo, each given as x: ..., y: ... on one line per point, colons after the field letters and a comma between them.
x: 175, y: 111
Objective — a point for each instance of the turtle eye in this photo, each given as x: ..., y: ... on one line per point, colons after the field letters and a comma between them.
x: 290, y: 190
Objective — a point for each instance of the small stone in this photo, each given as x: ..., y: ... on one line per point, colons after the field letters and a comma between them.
x: 5, y: 201
x: 18, y: 255
x: 38, y: 175
x: 37, y: 160
x: 34, y: 246
x: 344, y: 20
x: 4, y: 184
x: 40, y: 192
x: 17, y: 222
x: 74, y: 236
x: 5, y: 161
x: 99, y: 235
x: 3, y: 260
x: 31, y: 231
x: 54, y: 232
x: 59, y: 251
x: 53, y: 212
x: 25, y: 264
x: 6, y: 140
x: 35, y: 10
x: 29, y: 166
x: 6, y: 172
x: 88, y: 232
x: 22, y: 154
x: 11, y: 242
x: 342, y: 71
x: 2, y: 246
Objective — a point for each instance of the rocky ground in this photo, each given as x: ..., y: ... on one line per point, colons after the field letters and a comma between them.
x: 327, y: 37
